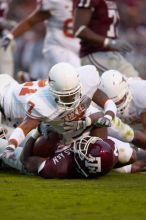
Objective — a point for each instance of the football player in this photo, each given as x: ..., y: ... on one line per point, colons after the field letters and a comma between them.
x: 95, y: 23
x: 128, y: 95
x: 13, y: 98
x: 63, y: 104
x: 59, y: 43
x: 86, y: 157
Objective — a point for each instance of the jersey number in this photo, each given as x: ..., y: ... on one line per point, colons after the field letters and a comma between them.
x: 112, y: 29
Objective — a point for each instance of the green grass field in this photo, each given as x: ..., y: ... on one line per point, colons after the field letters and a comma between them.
x: 115, y: 196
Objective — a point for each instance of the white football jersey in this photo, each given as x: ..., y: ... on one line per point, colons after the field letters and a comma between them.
x: 43, y: 105
x: 59, y: 25
x: 138, y: 103
x: 13, y: 96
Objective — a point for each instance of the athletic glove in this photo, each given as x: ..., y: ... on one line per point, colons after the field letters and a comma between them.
x: 79, y: 125
x: 117, y: 45
x: 6, y: 40
x: 104, y: 121
x: 9, y: 152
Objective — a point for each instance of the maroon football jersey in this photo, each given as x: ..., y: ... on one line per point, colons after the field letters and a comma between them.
x: 104, y: 21
x: 60, y: 165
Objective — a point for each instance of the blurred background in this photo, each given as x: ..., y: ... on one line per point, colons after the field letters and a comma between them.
x: 28, y: 52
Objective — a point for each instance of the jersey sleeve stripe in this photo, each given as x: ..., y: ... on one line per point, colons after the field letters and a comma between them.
x: 41, y: 166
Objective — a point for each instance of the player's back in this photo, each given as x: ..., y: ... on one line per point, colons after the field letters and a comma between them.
x: 60, y: 165
x: 7, y: 86
x: 14, y: 95
x: 137, y: 105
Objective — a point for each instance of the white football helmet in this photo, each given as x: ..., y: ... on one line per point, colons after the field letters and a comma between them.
x: 115, y: 85
x: 65, y: 85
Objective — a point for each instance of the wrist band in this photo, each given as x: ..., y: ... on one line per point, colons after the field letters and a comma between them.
x: 106, y: 42
x: 35, y: 134
x: 109, y: 117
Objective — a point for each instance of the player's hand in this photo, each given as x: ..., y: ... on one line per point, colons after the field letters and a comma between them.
x: 104, y: 121
x: 9, y: 152
x: 44, y: 129
x: 77, y: 125
x: 118, y: 45
x: 6, y: 40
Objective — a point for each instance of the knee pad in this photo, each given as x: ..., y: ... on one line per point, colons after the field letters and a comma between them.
x: 125, y: 154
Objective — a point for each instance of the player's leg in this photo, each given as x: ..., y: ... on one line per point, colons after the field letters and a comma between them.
x: 126, y: 153
x: 120, y: 130
x: 15, y: 162
x: 58, y: 54
x: 6, y: 61
x: 3, y: 145
x: 110, y: 60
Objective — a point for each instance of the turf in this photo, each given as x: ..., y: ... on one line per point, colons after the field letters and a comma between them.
x: 114, y: 196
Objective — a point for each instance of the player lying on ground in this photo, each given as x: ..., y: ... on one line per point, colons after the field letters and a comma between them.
x: 65, y: 99
x: 61, y: 159
x: 86, y: 157
x: 128, y: 95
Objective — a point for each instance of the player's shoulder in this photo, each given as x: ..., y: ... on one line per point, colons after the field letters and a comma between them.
x: 42, y: 104
x: 89, y: 78
x: 60, y: 165
x: 137, y: 86
x: 87, y: 71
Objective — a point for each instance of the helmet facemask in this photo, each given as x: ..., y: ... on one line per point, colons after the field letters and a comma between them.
x: 86, y: 163
x: 67, y: 100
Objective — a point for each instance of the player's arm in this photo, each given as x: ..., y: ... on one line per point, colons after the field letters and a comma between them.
x: 25, y: 25
x: 109, y: 107
x: 18, y: 135
x: 81, y: 21
x: 22, y: 130
x: 82, y: 17
x: 30, y: 162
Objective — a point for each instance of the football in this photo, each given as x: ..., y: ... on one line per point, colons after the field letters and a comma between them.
x: 46, y: 147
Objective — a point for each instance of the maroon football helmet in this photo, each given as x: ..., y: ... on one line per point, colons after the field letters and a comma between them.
x: 93, y: 156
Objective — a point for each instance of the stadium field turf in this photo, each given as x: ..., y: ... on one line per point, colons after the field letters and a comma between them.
x: 112, y: 197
